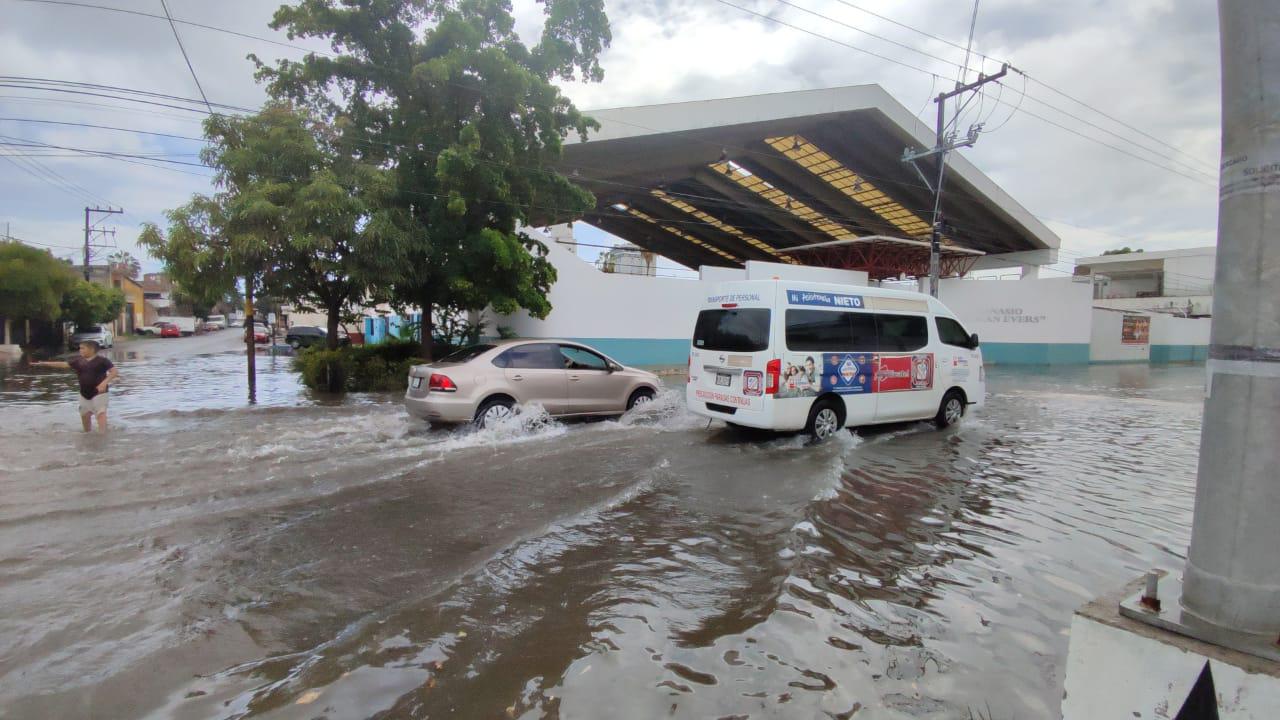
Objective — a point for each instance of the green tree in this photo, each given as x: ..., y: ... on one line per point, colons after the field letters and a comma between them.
x: 1122, y: 251
x: 471, y: 121
x: 32, y: 282
x: 86, y: 303
x: 127, y: 263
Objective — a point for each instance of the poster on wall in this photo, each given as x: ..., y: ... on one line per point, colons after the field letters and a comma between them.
x: 1135, y: 330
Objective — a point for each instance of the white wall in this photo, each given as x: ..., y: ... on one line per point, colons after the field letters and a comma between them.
x: 1200, y: 304
x: 1105, y: 345
x: 1168, y: 330
x: 1192, y: 275
x: 1053, y: 310
x: 587, y: 303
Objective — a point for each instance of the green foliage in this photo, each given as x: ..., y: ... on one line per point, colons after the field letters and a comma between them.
x: 86, y: 303
x: 129, y: 264
x: 300, y: 216
x: 32, y: 282
x: 506, y: 333
x: 470, y: 121
x: 362, y: 368
x: 1121, y: 251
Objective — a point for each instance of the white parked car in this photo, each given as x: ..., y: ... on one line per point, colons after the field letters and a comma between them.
x: 100, y: 334
x: 781, y: 355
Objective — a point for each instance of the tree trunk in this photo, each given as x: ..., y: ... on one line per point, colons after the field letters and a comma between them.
x: 251, y: 353
x: 335, y: 314
x: 427, y: 329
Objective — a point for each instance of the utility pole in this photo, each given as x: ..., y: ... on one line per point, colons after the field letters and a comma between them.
x: 88, y: 231
x: 946, y: 143
x: 1232, y: 575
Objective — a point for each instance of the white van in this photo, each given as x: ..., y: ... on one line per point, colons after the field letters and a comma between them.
x: 784, y: 355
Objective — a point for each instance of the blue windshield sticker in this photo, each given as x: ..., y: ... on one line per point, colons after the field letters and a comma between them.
x: 821, y: 299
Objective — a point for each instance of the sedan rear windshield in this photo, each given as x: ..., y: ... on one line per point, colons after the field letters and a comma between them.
x: 87, y: 329
x: 738, y: 330
x: 466, y: 353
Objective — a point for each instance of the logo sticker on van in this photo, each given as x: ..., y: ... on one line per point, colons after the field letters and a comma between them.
x: 752, y: 382
x: 824, y: 299
x: 847, y: 373
x: 904, y: 372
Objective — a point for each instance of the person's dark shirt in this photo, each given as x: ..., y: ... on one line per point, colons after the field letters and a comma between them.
x: 92, y: 372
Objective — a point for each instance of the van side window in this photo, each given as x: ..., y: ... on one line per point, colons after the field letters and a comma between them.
x: 902, y: 333
x: 952, y: 333
x: 828, y: 331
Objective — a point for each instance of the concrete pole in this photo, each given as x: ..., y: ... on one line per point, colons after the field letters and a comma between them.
x: 1232, y: 575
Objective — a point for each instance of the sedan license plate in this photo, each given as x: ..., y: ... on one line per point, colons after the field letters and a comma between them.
x: 417, y: 382
x: 723, y: 379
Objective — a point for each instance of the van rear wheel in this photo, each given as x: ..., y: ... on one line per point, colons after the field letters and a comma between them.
x: 950, y: 411
x: 824, y: 420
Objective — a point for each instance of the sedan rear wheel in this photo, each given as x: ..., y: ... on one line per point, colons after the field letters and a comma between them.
x: 494, y: 411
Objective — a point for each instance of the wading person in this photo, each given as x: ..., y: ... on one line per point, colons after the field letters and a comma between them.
x: 95, y: 373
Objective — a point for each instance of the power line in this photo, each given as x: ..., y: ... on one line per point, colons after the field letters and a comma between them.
x: 101, y: 127
x: 177, y: 37
x: 1033, y: 79
x: 927, y: 72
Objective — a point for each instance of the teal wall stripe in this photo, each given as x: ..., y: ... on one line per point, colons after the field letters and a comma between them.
x: 675, y: 351
x: 998, y: 353
x: 1179, y: 353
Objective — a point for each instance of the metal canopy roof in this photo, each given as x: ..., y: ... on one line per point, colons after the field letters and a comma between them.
x: 720, y: 182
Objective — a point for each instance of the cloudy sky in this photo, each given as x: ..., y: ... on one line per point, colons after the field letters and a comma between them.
x: 1149, y: 64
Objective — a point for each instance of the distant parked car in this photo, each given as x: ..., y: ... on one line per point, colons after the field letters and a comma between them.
x: 261, y: 334
x: 169, y: 330
x: 186, y: 325
x: 100, y: 334
x: 216, y: 322
x: 302, y: 336
x: 152, y: 329
x: 484, y: 383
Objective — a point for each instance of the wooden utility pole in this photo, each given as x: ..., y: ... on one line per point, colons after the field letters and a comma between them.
x: 88, y: 233
x: 250, y: 351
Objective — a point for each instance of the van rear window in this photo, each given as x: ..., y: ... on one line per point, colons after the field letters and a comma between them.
x: 736, y: 330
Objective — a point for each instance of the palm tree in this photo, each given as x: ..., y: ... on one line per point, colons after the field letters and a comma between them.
x: 126, y: 262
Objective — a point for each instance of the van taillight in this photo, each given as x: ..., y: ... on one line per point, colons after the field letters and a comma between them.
x: 772, y: 373
x: 441, y: 383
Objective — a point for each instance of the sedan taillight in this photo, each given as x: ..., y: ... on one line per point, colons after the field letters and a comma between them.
x: 441, y: 383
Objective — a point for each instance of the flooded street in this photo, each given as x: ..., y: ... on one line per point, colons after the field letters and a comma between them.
x: 320, y: 557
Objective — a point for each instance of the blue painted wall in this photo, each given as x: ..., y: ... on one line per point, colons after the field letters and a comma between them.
x: 998, y: 353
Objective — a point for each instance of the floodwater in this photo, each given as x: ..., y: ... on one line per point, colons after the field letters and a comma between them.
x: 312, y: 557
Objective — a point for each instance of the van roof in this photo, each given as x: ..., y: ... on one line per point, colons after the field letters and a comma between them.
x: 935, y: 306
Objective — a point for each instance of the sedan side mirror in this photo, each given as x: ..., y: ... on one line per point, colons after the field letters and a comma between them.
x: 973, y: 341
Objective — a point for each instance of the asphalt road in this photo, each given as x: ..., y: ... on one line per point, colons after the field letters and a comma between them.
x: 153, y: 348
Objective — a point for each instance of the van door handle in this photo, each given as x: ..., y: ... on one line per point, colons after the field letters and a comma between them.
x: 517, y: 377
x: 575, y: 378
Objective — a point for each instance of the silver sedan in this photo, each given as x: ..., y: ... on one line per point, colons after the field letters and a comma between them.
x: 485, y: 383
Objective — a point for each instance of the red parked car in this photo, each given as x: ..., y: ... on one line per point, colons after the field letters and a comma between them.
x: 168, y: 329
x: 260, y: 336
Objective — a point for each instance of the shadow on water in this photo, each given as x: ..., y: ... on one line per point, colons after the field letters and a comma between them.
x: 342, y: 560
